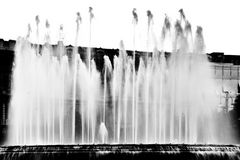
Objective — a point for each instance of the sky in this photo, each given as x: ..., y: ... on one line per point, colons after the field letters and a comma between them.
x: 112, y: 21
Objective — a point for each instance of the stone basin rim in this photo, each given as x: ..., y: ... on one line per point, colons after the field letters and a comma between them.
x: 122, y: 148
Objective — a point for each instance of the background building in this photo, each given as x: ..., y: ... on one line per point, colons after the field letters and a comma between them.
x: 226, y: 69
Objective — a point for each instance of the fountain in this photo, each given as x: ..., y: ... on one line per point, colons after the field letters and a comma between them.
x: 145, y: 105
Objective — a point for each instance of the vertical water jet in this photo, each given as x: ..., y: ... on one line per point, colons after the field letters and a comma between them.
x: 135, y: 21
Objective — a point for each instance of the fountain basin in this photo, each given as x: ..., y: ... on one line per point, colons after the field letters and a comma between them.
x: 121, y: 151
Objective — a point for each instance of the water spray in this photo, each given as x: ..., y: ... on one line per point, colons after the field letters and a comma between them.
x: 47, y: 24
x: 37, y: 20
x: 78, y: 21
x: 47, y: 36
x: 178, y: 28
x: 166, y: 26
x: 61, y: 34
x: 199, y: 30
x: 182, y: 15
x: 29, y: 31
x: 91, y: 16
x: 91, y: 13
x: 135, y: 21
x: 79, y: 18
x: 188, y: 27
x: 178, y: 34
x: 199, y: 45
x: 188, y: 34
x: 150, y: 21
x: 150, y: 18
x: 135, y: 16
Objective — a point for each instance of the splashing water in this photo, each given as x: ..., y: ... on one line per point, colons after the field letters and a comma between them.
x: 103, y: 133
x: 60, y: 99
